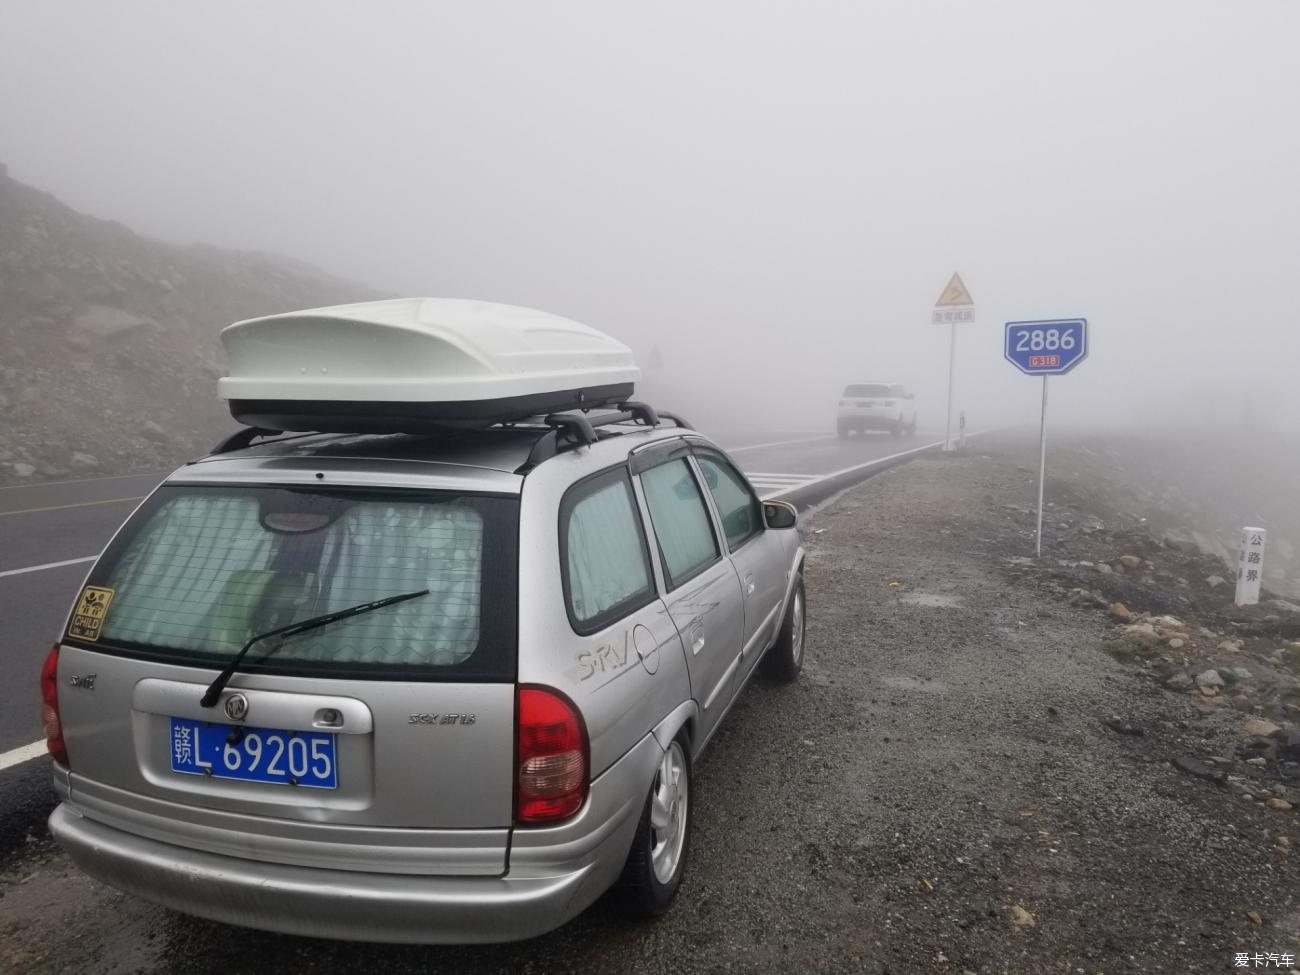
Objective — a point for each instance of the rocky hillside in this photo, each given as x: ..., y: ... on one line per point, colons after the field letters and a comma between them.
x: 109, y: 352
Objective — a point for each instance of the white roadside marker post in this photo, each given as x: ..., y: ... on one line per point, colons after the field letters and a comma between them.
x: 1250, y: 566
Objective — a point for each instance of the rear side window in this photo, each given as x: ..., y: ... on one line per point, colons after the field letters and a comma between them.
x: 200, y: 570
x: 867, y: 389
x: 739, y: 509
x: 603, y: 552
x: 681, y: 521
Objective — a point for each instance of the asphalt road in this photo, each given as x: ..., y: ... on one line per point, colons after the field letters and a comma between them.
x: 57, y: 522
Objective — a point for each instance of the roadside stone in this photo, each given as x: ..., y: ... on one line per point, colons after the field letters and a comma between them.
x: 1120, y: 612
x: 1143, y: 633
x: 1288, y: 742
x: 1179, y: 682
x: 1177, y: 644
x: 1230, y: 646
x: 1021, y: 918
x: 1199, y: 769
x: 22, y: 470
x: 1261, y: 728
x: 1215, y: 581
x: 1120, y: 726
x: 1241, y: 673
x: 1104, y: 569
x: 1130, y: 562
x: 1279, y: 804
x: 1209, y: 678
x: 1167, y: 623
x: 84, y: 460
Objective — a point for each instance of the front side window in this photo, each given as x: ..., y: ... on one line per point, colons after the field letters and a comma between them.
x: 740, y: 511
x: 680, y: 519
x: 200, y: 570
x: 606, y: 566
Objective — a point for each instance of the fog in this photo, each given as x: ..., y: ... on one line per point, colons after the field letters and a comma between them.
x: 771, y: 195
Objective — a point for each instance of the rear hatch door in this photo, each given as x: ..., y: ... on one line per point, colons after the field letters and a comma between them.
x: 394, y: 727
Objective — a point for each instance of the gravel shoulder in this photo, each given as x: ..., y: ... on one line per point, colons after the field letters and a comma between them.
x: 940, y: 792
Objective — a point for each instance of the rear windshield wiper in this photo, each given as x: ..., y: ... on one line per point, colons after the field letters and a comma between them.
x: 302, y: 626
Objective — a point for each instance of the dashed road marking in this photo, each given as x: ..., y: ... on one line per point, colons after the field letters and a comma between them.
x: 25, y: 754
x: 48, y: 565
x: 75, y: 504
x: 768, y: 484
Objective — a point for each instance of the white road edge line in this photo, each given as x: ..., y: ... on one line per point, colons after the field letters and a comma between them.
x: 25, y: 754
x: 778, y: 443
x: 84, y: 480
x: 48, y: 565
x: 874, y: 463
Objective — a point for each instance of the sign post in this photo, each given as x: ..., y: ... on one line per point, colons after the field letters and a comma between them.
x: 1049, y: 348
x: 954, y: 305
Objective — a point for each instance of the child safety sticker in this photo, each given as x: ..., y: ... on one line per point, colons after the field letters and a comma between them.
x: 92, y: 607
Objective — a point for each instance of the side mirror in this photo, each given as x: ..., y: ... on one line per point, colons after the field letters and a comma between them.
x: 780, y: 514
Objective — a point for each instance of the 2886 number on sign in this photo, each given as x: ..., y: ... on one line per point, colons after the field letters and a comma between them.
x: 1047, y: 348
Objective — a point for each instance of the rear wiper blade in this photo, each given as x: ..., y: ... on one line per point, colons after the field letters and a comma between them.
x: 214, y: 690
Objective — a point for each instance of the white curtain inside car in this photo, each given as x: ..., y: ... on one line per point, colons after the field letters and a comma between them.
x: 680, y: 519
x: 382, y: 549
x: 606, y: 560
x: 181, y: 567
x: 204, y: 574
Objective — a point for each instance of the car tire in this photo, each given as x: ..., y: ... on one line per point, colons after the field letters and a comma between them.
x: 842, y: 431
x: 896, y: 430
x: 656, y: 863
x: 784, y: 658
x: 911, y: 427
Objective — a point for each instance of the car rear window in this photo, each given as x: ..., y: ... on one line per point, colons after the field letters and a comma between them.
x: 867, y: 389
x: 198, y: 571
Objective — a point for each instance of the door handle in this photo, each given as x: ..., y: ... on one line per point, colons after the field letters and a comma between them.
x: 697, y: 635
x: 749, y: 585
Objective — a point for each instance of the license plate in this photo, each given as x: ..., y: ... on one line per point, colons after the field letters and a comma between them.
x: 302, y: 758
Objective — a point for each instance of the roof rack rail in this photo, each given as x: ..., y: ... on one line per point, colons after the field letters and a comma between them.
x: 570, y: 430
x: 241, y: 439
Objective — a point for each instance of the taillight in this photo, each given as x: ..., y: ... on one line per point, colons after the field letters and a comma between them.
x: 50, y: 707
x: 552, y: 758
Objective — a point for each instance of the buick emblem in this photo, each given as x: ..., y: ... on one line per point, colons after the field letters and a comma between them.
x: 236, y: 707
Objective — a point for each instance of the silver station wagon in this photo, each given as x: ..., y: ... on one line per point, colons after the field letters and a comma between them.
x: 437, y: 674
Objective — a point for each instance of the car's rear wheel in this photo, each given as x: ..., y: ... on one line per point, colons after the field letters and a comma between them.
x: 911, y: 427
x: 657, y: 861
x: 785, y: 658
x: 842, y: 430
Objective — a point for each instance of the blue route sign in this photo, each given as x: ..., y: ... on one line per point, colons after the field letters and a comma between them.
x: 1048, y: 348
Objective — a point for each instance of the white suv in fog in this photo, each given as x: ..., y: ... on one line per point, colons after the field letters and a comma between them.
x: 876, y: 406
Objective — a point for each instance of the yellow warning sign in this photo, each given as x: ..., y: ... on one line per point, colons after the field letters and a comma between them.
x: 954, y: 294
x: 88, y: 618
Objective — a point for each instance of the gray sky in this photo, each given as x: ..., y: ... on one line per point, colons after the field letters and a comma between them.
x: 765, y: 190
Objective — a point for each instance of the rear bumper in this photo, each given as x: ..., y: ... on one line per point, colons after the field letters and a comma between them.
x: 857, y: 419
x: 555, y: 874
x: 313, y: 902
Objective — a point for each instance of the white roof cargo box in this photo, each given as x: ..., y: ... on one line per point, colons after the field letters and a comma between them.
x: 412, y: 364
